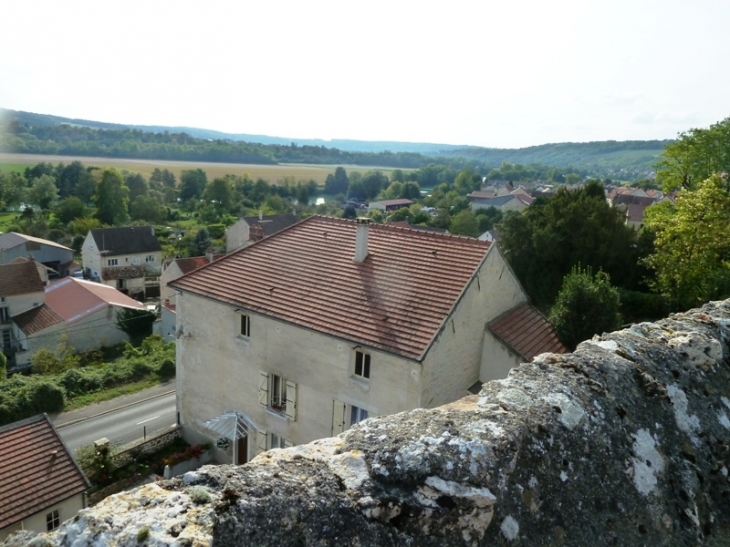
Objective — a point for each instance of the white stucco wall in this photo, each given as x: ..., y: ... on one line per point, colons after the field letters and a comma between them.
x: 453, y: 363
x: 497, y: 359
x: 170, y: 273
x: 20, y: 303
x: 237, y: 235
x: 66, y: 509
x: 218, y: 371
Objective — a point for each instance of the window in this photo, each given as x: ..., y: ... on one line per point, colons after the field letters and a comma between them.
x: 52, y: 521
x: 362, y: 364
x: 112, y: 262
x: 277, y: 441
x: 267, y: 441
x: 4, y: 315
x: 245, y: 325
x: 357, y: 415
x: 150, y: 258
x: 278, y: 394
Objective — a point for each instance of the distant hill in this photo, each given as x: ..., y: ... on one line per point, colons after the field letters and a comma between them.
x: 616, y: 159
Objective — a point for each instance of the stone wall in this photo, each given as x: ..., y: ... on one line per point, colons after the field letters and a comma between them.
x: 153, y: 443
x: 624, y: 442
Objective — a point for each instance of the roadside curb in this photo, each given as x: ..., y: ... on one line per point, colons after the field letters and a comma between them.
x: 79, y: 420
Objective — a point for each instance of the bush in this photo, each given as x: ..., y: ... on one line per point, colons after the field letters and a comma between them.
x: 167, y: 369
x: 640, y: 306
x: 216, y: 231
x: 199, y: 495
x: 586, y: 305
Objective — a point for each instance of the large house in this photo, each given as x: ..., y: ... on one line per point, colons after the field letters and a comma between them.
x: 21, y: 289
x: 84, y: 311
x: 330, y: 321
x: 40, y: 484
x: 122, y: 257
x: 51, y: 254
x: 248, y: 230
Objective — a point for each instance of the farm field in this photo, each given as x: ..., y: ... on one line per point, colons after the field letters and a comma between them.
x: 271, y: 173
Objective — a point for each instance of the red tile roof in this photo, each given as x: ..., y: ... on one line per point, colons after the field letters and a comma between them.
x: 74, y: 299
x: 37, y: 470
x: 527, y: 332
x: 20, y: 278
x: 188, y: 265
x: 395, y: 300
x: 36, y: 319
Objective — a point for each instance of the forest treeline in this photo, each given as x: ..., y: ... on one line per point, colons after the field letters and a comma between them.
x: 42, y: 134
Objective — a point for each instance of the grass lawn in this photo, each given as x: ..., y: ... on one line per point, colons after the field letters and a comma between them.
x: 111, y: 393
x: 6, y: 219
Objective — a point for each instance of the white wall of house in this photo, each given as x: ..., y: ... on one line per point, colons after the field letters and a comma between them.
x: 497, y: 359
x: 237, y: 235
x: 37, y: 523
x: 453, y: 362
x: 170, y: 273
x: 19, y: 303
x: 93, y: 331
x: 219, y: 371
x: 94, y: 262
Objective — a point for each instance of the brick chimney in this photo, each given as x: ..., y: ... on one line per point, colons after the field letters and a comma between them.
x: 361, y: 240
x: 256, y: 233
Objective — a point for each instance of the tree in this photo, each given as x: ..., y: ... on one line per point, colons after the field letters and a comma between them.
x: 137, y: 324
x: 356, y: 191
x: 337, y: 183
x: 70, y: 209
x: 586, y: 305
x: 411, y: 190
x: 694, y: 156
x: 219, y: 192
x: 303, y: 194
x: 3, y: 367
x: 546, y: 240
x: 349, y: 212
x: 111, y: 199
x: 164, y: 178
x: 372, y: 182
x: 465, y: 223
x: 43, y: 191
x: 146, y: 208
x: 692, y: 244
x: 200, y: 243
x: 13, y: 188
x: 467, y: 182
x: 192, y: 184
x: 137, y: 185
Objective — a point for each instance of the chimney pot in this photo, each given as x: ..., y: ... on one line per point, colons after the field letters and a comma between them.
x: 361, y: 240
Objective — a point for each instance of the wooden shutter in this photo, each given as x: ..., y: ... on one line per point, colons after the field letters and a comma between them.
x: 263, y: 388
x: 260, y: 441
x: 338, y: 417
x: 291, y: 400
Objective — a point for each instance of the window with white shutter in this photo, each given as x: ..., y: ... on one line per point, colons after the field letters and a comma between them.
x: 338, y: 417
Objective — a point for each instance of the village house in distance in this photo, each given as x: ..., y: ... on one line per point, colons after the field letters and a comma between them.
x: 330, y: 321
x: 122, y: 257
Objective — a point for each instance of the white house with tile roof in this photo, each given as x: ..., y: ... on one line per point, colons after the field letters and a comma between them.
x: 328, y: 322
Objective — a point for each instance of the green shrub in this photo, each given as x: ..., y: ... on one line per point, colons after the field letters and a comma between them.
x: 167, y: 369
x: 640, y: 306
x: 199, y: 495
x: 216, y: 231
x: 143, y: 534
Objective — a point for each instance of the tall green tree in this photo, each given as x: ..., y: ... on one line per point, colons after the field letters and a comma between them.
x: 70, y: 209
x: 43, y: 191
x: 220, y: 192
x: 547, y: 239
x: 200, y: 243
x: 137, y: 185
x: 372, y: 183
x: 465, y: 223
x: 337, y: 183
x: 163, y: 178
x: 111, y: 199
x: 586, y: 305
x: 146, y: 208
x: 694, y: 156
x: 692, y: 244
x: 192, y: 184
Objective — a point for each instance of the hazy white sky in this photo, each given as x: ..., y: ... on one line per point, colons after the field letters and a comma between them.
x: 502, y: 73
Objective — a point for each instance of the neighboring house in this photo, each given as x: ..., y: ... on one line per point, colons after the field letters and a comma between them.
x: 172, y: 268
x: 388, y: 205
x: 84, y: 311
x: 45, y: 272
x: 510, y: 202
x: 51, y: 254
x: 524, y: 333
x: 40, y: 484
x: 250, y: 229
x: 480, y: 194
x: 122, y: 257
x: 21, y: 289
x: 307, y: 332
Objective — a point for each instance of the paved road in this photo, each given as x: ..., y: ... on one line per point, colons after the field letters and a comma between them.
x: 120, y: 420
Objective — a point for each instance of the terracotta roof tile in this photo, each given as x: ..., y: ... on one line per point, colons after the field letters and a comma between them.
x: 20, y: 278
x: 37, y: 470
x: 37, y: 319
x: 73, y: 299
x: 527, y: 332
x: 188, y: 265
x: 395, y: 300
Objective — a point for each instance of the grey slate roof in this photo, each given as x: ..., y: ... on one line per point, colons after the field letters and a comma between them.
x: 273, y: 223
x: 126, y: 241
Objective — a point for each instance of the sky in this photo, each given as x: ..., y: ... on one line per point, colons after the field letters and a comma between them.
x: 496, y: 73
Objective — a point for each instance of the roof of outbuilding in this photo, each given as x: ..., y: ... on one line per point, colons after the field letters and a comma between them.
x: 527, y: 332
x: 74, y: 299
x: 20, y: 278
x: 191, y: 264
x: 395, y: 300
x: 13, y: 239
x: 126, y: 241
x: 37, y: 470
x: 37, y: 319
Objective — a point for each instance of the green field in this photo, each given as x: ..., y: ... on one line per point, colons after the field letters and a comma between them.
x: 272, y: 173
